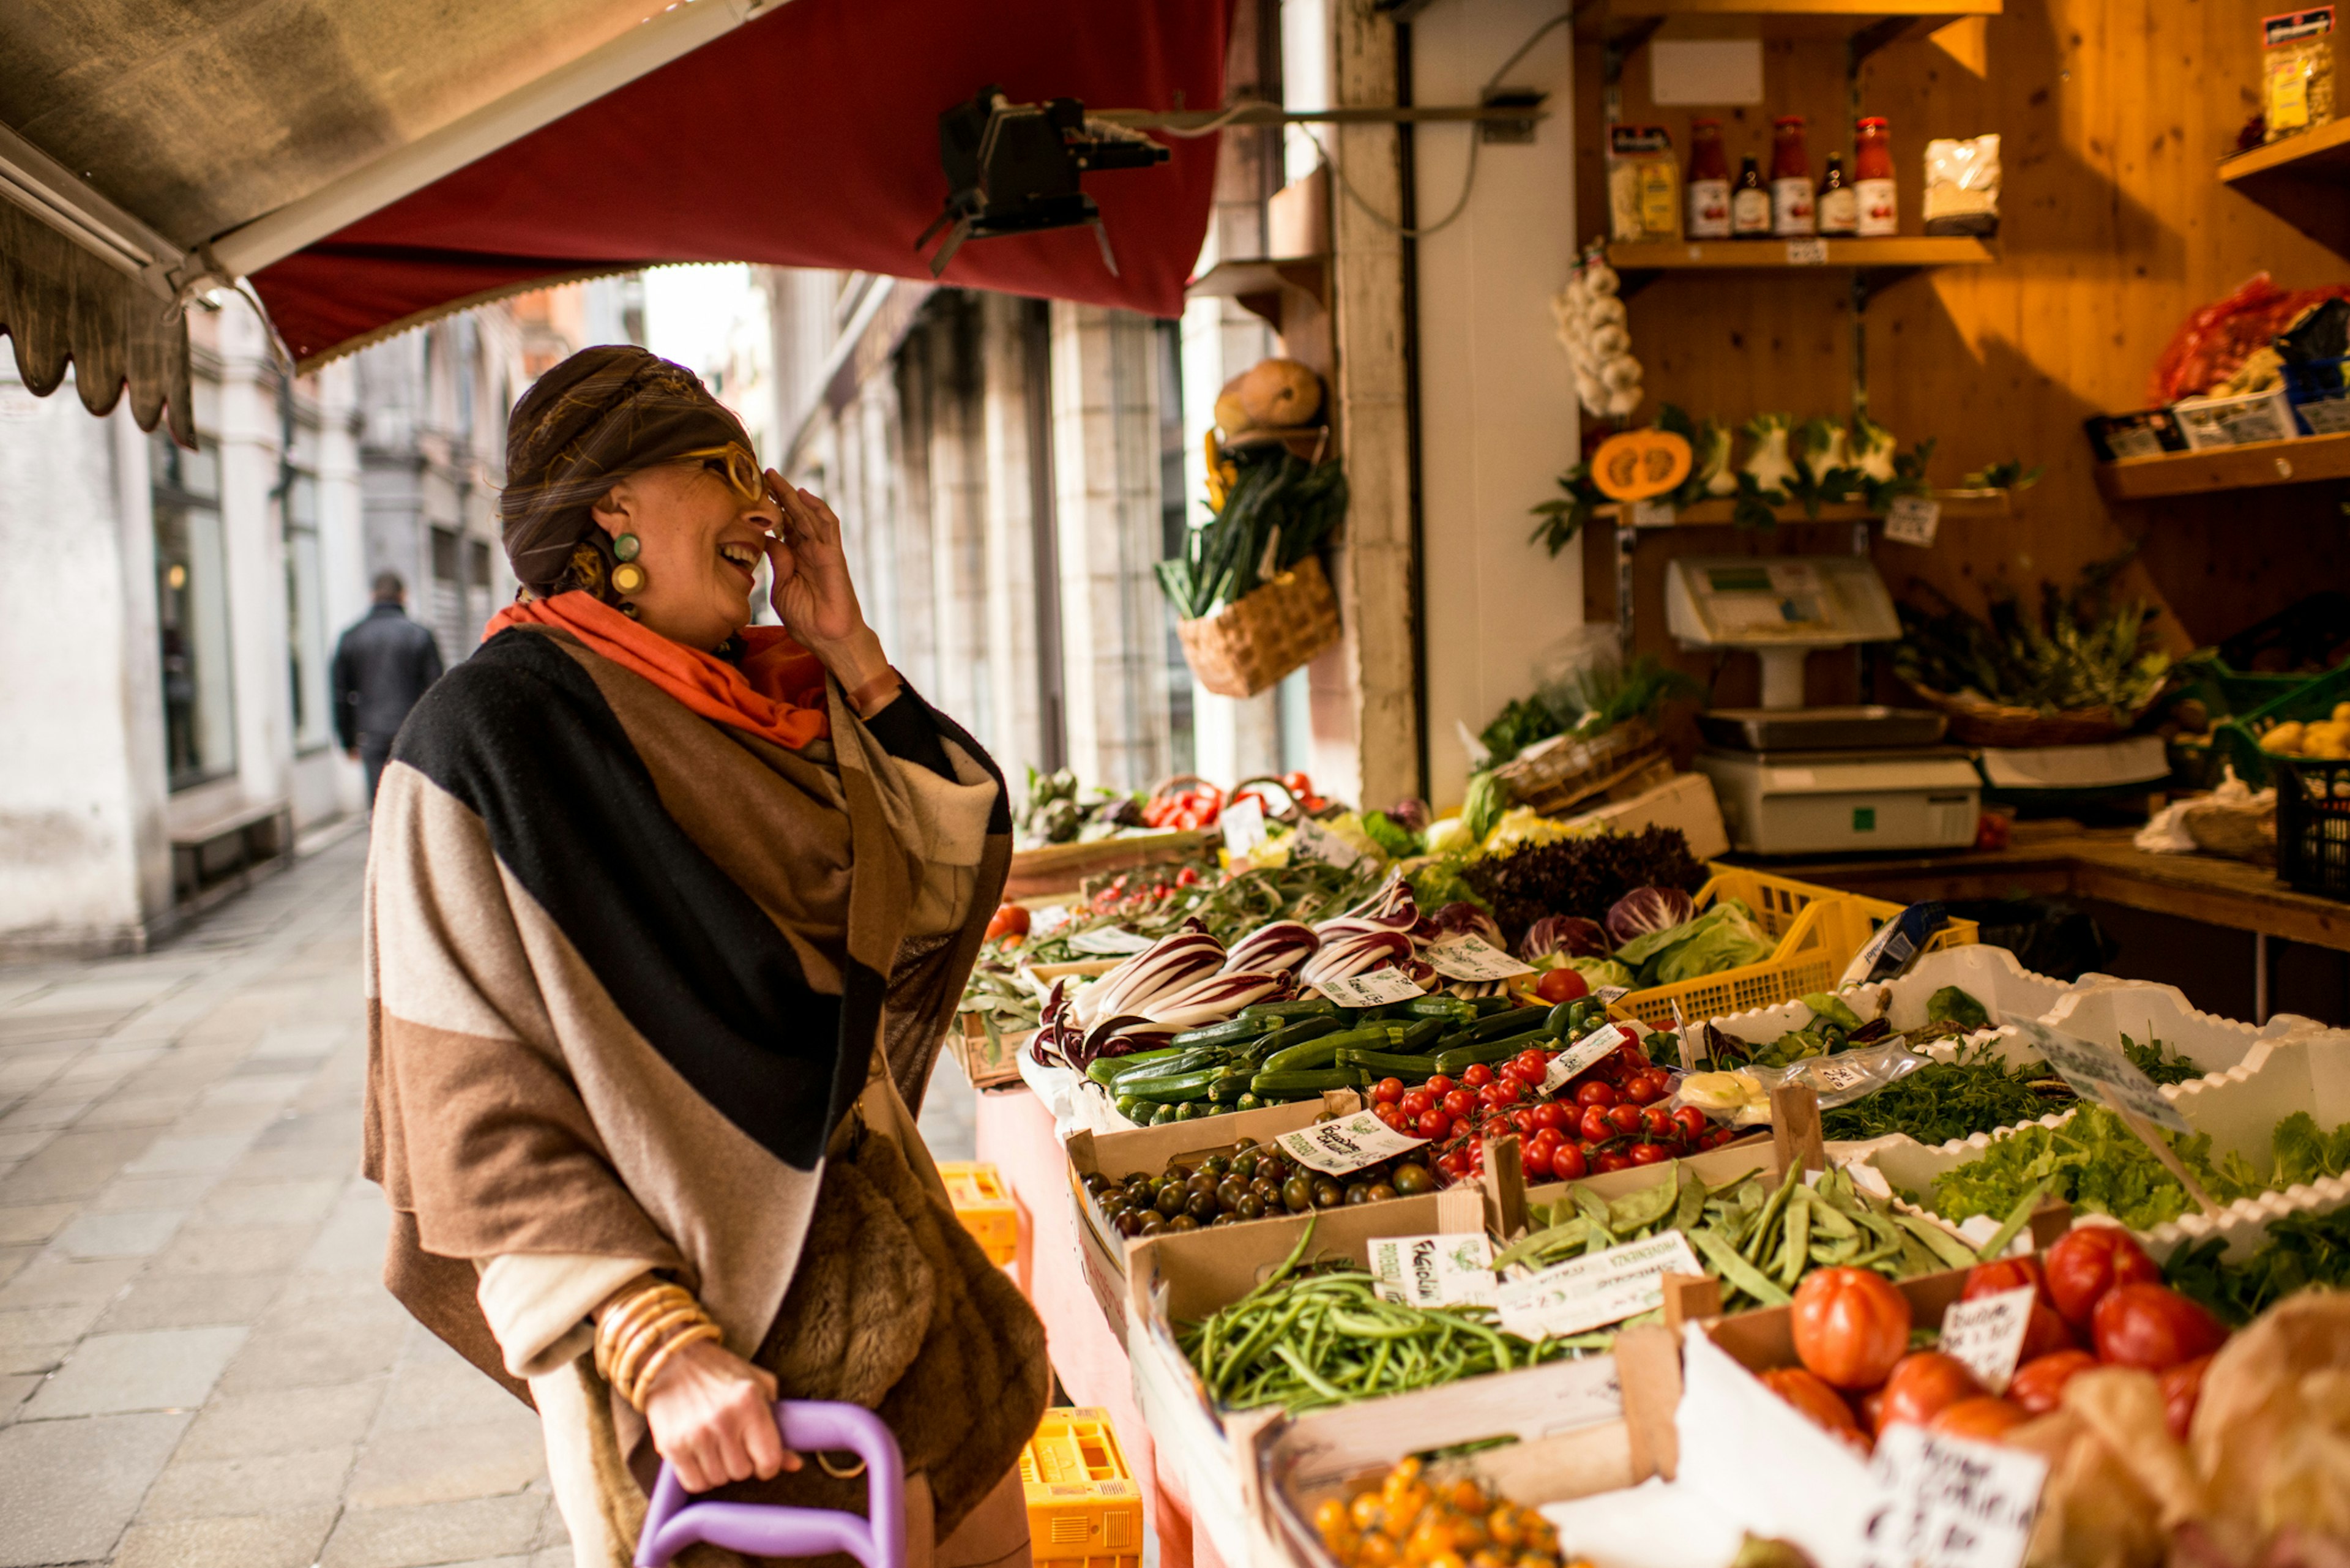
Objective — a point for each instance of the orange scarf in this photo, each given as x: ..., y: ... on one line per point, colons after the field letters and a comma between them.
x: 777, y: 693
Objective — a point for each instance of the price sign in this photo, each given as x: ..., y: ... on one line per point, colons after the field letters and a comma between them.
x: 1597, y: 1289
x: 1474, y: 958
x: 1807, y: 252
x: 1828, y: 1075
x: 1315, y: 842
x: 1434, y: 1271
x: 1987, y: 1334
x: 1047, y: 920
x: 1109, y: 941
x: 1593, y: 1047
x: 2103, y: 1074
x: 1948, y: 1503
x: 1913, y: 520
x: 1609, y: 995
x: 1375, y: 989
x: 1243, y: 824
x: 1653, y: 514
x: 1351, y: 1143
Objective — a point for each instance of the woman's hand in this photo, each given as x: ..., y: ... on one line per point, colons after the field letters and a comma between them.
x: 712, y: 1417
x: 812, y: 595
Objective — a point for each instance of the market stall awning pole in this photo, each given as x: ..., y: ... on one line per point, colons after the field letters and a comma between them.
x: 63, y: 199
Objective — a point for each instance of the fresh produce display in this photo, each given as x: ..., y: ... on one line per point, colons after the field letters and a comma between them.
x: 1975, y: 1092
x: 1155, y: 901
x: 2081, y: 651
x: 2095, y: 1162
x: 1582, y: 877
x: 1003, y: 1002
x: 1275, y: 512
x: 1253, y: 1181
x: 1763, y: 1241
x: 1431, y: 1520
x: 1057, y: 811
x: 1310, y: 1337
x: 2301, y: 1250
x: 2324, y: 739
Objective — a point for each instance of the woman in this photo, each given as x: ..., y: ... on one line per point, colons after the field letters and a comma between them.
x: 667, y: 915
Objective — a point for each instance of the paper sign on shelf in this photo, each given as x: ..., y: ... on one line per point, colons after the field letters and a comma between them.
x: 1653, y: 514
x: 1987, y: 1334
x: 1579, y: 1056
x: 2101, y: 1075
x: 1913, y: 520
x: 1434, y: 1271
x: 1351, y: 1143
x: 1243, y: 824
x: 1110, y: 942
x: 1471, y: 957
x: 1949, y: 1502
x: 1807, y: 252
x: 1375, y: 988
x: 1609, y: 995
x: 1597, y: 1289
x: 1315, y: 842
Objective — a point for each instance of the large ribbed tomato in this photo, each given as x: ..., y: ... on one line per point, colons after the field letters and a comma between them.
x: 2090, y: 1260
x: 1923, y: 1384
x: 1850, y: 1327
x: 2153, y: 1328
x: 1820, y: 1404
x: 1985, y: 1418
x: 2038, y: 1384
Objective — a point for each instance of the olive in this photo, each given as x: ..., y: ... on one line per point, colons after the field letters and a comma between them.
x: 1297, y: 1195
x: 1153, y: 1224
x: 1130, y: 1221
x: 1266, y: 1192
x: 1181, y: 1222
x: 1170, y: 1199
x: 1230, y: 1192
x: 1096, y: 1182
x: 1244, y: 1163
x: 1381, y: 1192
x: 1250, y: 1207
x: 1358, y: 1193
x: 1203, y: 1206
x: 1327, y: 1194
x: 1216, y: 1165
x: 1411, y: 1180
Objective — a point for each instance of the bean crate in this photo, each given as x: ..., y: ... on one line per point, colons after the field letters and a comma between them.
x: 1084, y: 1506
x: 984, y: 1206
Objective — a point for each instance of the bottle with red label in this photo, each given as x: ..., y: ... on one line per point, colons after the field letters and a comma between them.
x: 1791, y: 179
x: 1708, y: 182
x: 1872, y: 178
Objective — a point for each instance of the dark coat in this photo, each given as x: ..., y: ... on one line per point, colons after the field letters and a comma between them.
x: 381, y: 667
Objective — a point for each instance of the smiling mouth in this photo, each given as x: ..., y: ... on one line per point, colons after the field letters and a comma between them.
x: 745, y: 556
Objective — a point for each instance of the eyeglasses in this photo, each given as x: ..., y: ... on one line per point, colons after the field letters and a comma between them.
x: 734, y: 463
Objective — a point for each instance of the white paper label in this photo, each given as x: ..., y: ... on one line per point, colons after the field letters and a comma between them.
x: 1375, y: 988
x: 1949, y: 1502
x: 1827, y: 1075
x: 1107, y: 941
x: 1595, y: 1290
x: 1913, y: 520
x: 1593, y: 1047
x: 1987, y: 1334
x: 1807, y: 252
x: 1434, y: 1271
x: 1474, y: 958
x: 1609, y: 995
x: 1351, y: 1143
x: 2100, y: 1073
x: 1243, y: 824
x: 1047, y: 920
x: 1315, y: 842
x: 1653, y: 514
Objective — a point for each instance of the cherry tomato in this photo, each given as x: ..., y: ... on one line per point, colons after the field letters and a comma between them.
x: 1561, y: 984
x: 1568, y: 1163
x: 1536, y: 1163
x: 1476, y: 1075
x: 1455, y: 1165
x: 1416, y: 1102
x: 2038, y: 1384
x: 1611, y: 1161
x: 1850, y: 1327
x: 1657, y: 1123
x: 1533, y: 1060
x: 1009, y: 919
x: 1594, y: 1094
x: 1522, y: 1122
x: 1692, y: 1122
x: 1595, y: 1128
x: 1986, y: 1418
x: 1922, y: 1385
x: 1188, y: 877
x: 1552, y: 1115
x: 1460, y: 1103
x: 1650, y: 1154
x: 1388, y: 1091
x: 1508, y: 1092
x: 1440, y: 1086
x: 2090, y: 1260
x: 1816, y: 1403
x: 1624, y: 1119
x: 1651, y: 1086
x: 2152, y: 1327
x: 2182, y: 1386
x: 1433, y: 1125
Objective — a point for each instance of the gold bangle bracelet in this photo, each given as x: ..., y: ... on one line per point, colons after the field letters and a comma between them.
x: 703, y: 1330
x: 632, y: 1355
x: 621, y: 1319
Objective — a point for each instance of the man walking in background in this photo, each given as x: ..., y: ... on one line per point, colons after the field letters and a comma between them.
x: 381, y: 667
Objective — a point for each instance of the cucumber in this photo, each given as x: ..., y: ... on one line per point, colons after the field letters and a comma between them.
x: 1132, y: 1109
x: 1297, y: 1084
x: 1232, y: 1031
x: 1451, y: 1062
x: 1303, y: 1007
x: 1105, y: 1070
x: 1248, y: 1102
x: 1161, y: 1115
x: 1168, y: 1090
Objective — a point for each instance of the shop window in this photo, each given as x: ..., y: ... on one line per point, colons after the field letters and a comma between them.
x: 192, y: 610
x: 448, y: 602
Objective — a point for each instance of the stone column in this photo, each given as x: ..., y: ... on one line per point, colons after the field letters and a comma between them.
x: 255, y: 550
x: 342, y: 542
x: 958, y: 481
x: 1015, y: 694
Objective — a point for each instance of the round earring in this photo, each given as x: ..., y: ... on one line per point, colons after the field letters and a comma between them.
x: 628, y: 578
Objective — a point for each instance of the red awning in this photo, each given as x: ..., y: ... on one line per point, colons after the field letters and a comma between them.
x: 808, y: 138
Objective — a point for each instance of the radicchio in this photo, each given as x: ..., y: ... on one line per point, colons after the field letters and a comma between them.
x: 1644, y: 911
x: 1462, y: 918
x: 1571, y: 935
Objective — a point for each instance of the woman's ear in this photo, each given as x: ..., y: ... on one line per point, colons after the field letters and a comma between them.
x: 612, y: 509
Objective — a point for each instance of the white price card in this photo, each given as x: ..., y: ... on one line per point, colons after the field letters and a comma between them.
x: 1653, y: 514
x: 1987, y: 1334
x: 1351, y: 1143
x: 1110, y: 942
x: 1434, y: 1271
x: 1913, y: 520
x: 2101, y: 1075
x: 1375, y: 988
x: 1047, y: 920
x: 1609, y: 995
x: 1471, y: 957
x: 1593, y: 1047
x: 1315, y: 842
x: 1243, y: 824
x: 1828, y: 1074
x: 1949, y: 1503
x: 1597, y: 1289
x: 1807, y: 252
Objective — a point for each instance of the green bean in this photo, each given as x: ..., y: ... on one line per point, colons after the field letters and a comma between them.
x: 1737, y: 1271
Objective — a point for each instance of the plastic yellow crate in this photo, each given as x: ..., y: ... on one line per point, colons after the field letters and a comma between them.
x: 1084, y: 1505
x: 984, y: 1206
x: 1819, y: 929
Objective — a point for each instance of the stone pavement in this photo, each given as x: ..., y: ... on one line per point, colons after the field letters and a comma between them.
x: 199, y: 1364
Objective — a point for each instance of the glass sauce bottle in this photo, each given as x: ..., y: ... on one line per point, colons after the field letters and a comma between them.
x: 1750, y: 204
x: 1708, y: 182
x: 1791, y: 179
x: 1837, y: 208
x: 1872, y: 169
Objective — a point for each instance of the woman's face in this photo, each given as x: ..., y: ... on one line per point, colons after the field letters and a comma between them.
x: 700, y: 544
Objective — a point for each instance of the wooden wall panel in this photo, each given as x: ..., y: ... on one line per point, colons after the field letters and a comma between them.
x: 2113, y: 115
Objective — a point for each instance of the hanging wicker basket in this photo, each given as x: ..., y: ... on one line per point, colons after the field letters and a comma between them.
x: 1557, y: 777
x: 1245, y: 646
x: 1977, y: 721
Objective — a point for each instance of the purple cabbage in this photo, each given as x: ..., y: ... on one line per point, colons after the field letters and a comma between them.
x: 1644, y: 911
x: 1411, y: 812
x: 1462, y: 918
x: 1570, y: 935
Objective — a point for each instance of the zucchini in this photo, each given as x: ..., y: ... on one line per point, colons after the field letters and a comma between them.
x: 1488, y: 1005
x: 1508, y: 1021
x: 1502, y: 1050
x: 1571, y: 1020
x: 1291, y: 1011
x: 1297, y: 1084
x: 1420, y: 1035
x: 1231, y: 1032
x: 1321, y: 1052
x: 1382, y: 1064
x: 1248, y: 1102
x: 1294, y: 1033
x: 1451, y: 1009
x: 1169, y: 1089
x: 1153, y: 1066
x: 1105, y: 1070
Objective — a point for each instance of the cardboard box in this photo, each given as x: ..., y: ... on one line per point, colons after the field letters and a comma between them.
x: 987, y: 1063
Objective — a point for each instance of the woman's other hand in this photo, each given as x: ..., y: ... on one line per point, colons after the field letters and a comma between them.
x: 812, y: 595
x: 713, y: 1419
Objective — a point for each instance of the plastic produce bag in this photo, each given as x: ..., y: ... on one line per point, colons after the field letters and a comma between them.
x: 2216, y: 340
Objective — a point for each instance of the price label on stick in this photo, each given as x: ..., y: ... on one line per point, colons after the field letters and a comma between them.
x: 1913, y: 520
x: 2103, y: 1074
x: 1987, y: 1334
x: 1047, y: 920
x: 1108, y: 941
x: 1243, y: 824
x: 1948, y: 1503
x: 1315, y: 842
x: 1377, y: 988
x: 1474, y: 958
x: 1579, y: 1056
x: 1434, y: 1271
x: 1597, y: 1289
x: 1351, y: 1143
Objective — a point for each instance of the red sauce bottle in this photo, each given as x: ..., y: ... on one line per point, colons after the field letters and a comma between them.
x: 1872, y: 174
x: 1708, y: 182
x: 1791, y: 179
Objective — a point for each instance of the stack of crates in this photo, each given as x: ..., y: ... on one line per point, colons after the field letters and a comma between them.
x: 1084, y: 1509
x: 984, y: 1206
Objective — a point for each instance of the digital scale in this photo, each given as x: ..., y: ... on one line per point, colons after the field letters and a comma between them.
x: 1793, y: 780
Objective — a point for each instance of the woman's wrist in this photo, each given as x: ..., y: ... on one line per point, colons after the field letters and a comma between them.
x: 863, y: 670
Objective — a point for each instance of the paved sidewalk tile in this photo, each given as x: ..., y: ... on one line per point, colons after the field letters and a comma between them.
x: 67, y: 1488
x: 161, y: 1369
x: 265, y: 1541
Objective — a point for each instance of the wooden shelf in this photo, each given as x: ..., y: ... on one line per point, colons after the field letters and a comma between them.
x: 1869, y: 25
x: 1956, y: 505
x: 2307, y: 461
x: 2302, y: 180
x: 1719, y: 255
x: 2321, y: 155
x: 1266, y: 286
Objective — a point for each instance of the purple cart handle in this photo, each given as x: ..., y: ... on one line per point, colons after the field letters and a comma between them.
x: 673, y: 1522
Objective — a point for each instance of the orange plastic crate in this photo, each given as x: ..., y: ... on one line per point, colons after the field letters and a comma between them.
x: 1083, y: 1507
x: 984, y: 1206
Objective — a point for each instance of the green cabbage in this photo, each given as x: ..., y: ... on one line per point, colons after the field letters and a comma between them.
x: 1723, y: 937
x: 1599, y: 972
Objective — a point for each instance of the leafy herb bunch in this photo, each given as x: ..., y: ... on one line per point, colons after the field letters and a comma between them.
x: 1277, y: 510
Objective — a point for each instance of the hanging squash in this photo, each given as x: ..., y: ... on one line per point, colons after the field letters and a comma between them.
x: 1639, y: 464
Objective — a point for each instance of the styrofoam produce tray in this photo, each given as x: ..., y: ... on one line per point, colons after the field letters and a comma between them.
x: 2143, y: 1010
x: 1991, y: 975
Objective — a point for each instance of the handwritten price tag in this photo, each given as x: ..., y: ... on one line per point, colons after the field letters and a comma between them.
x: 1577, y: 1057
x: 1474, y: 958
x: 1913, y: 520
x: 1047, y: 920
x: 1987, y: 1334
x: 1315, y: 842
x: 1807, y: 252
x: 1597, y: 1289
x: 1949, y: 1502
x: 1653, y: 514
x: 1109, y: 941
x: 2103, y: 1074
x: 1434, y: 1271
x: 1243, y: 824
x: 1351, y: 1143
x: 1376, y: 989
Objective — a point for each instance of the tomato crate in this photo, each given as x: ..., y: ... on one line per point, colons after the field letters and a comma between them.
x: 1819, y: 930
x: 1084, y: 1506
x: 985, y: 1207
